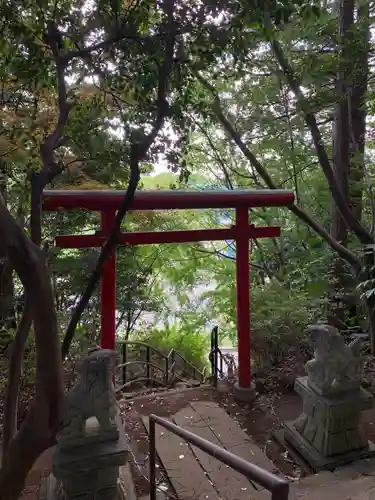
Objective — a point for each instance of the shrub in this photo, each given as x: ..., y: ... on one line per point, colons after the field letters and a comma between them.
x: 280, y: 315
x: 193, y: 346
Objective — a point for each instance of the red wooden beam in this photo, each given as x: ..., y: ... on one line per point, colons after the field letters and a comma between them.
x: 102, y: 200
x: 108, y: 291
x: 149, y: 237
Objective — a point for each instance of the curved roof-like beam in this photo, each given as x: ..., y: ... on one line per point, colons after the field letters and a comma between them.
x: 101, y: 200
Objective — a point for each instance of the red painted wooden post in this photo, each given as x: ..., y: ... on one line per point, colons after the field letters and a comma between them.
x: 243, y: 296
x: 108, y: 290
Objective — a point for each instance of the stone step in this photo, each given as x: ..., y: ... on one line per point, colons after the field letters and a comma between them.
x: 365, y: 467
x: 195, y: 474
x: 184, y: 472
x: 132, y: 396
x: 353, y: 482
x: 159, y: 496
x: 227, y: 482
x: 230, y: 434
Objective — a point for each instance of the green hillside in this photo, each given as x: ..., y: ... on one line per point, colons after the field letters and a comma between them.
x: 168, y: 180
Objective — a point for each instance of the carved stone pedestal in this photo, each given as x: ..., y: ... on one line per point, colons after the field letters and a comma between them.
x: 328, y: 433
x: 91, y: 472
x: 91, y: 443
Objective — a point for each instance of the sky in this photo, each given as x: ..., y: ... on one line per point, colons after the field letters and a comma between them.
x: 159, y: 167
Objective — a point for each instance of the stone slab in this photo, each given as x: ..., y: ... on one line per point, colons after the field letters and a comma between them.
x: 253, y: 454
x: 225, y: 428
x: 232, y: 437
x: 184, y: 471
x: 315, y: 459
x: 278, y: 436
x: 93, y: 456
x: 159, y: 496
x: 326, y: 487
x: 364, y: 467
x: 230, y: 484
x: 302, y: 386
x: 48, y: 490
x: 195, y: 474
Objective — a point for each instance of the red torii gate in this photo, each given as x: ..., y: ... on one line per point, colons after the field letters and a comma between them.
x: 107, y: 202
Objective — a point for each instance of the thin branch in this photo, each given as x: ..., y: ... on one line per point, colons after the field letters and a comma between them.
x: 138, y: 151
x: 346, y: 254
x: 265, y: 266
x: 225, y: 256
x: 351, y: 221
x: 51, y: 168
x: 217, y: 156
x: 85, y: 51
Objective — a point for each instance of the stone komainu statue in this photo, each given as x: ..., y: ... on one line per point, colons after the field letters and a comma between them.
x: 336, y: 366
x: 231, y: 365
x: 92, y: 396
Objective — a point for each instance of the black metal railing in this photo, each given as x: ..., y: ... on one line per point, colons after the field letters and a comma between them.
x: 217, y: 359
x: 278, y: 487
x: 173, y: 366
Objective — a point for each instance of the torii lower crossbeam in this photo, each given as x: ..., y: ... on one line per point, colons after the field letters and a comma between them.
x: 108, y: 202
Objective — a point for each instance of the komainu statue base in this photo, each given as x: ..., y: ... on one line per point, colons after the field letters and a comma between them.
x: 91, y: 444
x: 91, y: 472
x: 328, y: 433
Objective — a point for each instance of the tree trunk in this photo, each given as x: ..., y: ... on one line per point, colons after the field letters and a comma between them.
x: 43, y: 418
x: 18, y: 348
x: 341, y: 156
x: 357, y: 114
x: 370, y: 310
x: 7, y: 310
x: 348, y: 148
x: 341, y: 133
x: 14, y: 374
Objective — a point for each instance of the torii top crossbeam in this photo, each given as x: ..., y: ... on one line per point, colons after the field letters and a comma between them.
x: 109, y: 201
x: 102, y: 200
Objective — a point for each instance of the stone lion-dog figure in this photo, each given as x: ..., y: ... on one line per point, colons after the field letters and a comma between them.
x: 336, y: 366
x: 92, y: 396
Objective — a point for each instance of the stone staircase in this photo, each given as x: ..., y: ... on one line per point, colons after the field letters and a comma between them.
x: 144, y: 369
x: 188, y: 441
x: 353, y: 482
x: 192, y: 474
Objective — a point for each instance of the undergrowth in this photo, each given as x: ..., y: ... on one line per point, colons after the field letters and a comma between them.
x: 193, y: 346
